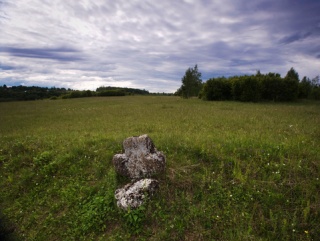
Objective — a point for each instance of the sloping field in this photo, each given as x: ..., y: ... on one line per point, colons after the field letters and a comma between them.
x: 235, y: 171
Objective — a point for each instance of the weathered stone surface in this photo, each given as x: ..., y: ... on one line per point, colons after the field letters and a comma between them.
x: 141, y: 158
x: 133, y: 195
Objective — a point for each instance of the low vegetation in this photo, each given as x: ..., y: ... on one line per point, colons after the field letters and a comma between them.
x: 235, y: 170
x: 15, y: 93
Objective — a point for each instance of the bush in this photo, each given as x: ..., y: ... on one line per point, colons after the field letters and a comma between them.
x: 271, y: 87
x: 315, y: 93
x: 246, y: 88
x: 289, y: 90
x: 78, y: 94
x: 216, y: 89
x: 112, y: 93
x: 305, y: 88
x: 254, y: 88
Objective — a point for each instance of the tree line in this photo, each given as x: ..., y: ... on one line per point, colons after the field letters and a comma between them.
x: 15, y: 93
x: 253, y: 88
x: 30, y: 92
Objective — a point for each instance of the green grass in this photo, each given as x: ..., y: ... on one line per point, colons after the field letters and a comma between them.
x: 235, y: 171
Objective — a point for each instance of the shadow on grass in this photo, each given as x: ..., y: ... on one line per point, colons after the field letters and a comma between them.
x: 7, y: 230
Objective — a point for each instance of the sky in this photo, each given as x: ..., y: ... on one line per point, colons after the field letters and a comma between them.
x: 148, y: 44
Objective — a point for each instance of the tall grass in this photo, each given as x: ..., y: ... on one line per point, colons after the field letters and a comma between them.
x: 235, y: 171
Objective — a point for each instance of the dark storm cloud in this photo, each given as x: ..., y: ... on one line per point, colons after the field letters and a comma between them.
x: 59, y: 54
x: 296, y: 19
x: 294, y: 37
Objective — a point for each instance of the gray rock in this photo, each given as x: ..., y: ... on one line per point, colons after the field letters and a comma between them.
x: 133, y: 195
x: 141, y: 158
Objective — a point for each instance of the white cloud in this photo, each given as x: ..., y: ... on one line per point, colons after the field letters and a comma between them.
x: 147, y: 44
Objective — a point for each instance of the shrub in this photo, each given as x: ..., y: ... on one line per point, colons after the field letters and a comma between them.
x: 216, y: 89
x: 315, y: 93
x: 305, y: 88
x: 246, y: 88
x: 112, y: 93
x: 271, y: 87
x: 258, y: 87
x: 289, y: 90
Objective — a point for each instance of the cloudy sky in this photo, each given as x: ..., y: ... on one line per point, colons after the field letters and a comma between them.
x: 149, y: 44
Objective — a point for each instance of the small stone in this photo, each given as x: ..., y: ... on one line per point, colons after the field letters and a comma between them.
x: 141, y: 159
x: 133, y: 195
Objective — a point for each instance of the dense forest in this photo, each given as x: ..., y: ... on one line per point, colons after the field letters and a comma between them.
x: 36, y: 93
x: 30, y: 92
x: 252, y: 88
x: 259, y: 87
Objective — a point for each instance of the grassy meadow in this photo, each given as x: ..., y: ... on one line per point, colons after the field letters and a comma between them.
x: 235, y: 171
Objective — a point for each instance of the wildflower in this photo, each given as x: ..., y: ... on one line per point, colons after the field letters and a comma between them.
x: 306, y: 231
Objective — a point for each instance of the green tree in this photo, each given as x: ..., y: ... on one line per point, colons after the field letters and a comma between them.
x: 316, y: 81
x: 292, y: 74
x: 271, y: 85
x: 305, y: 87
x: 315, y: 91
x: 216, y: 89
x: 290, y: 84
x: 191, y: 83
x: 246, y: 88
